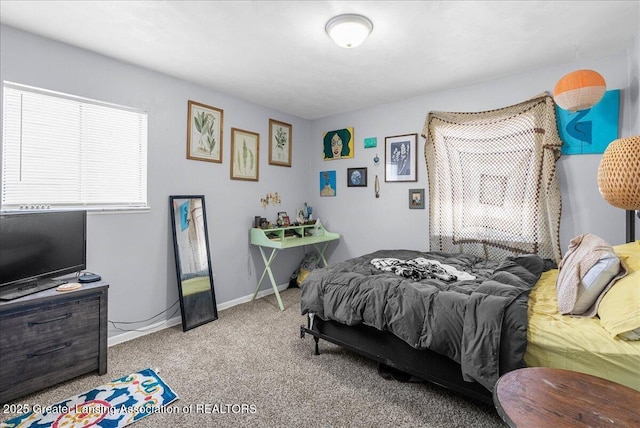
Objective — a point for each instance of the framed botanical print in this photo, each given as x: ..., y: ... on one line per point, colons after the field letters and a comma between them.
x: 400, y: 158
x: 356, y: 177
x: 245, y: 151
x: 338, y: 144
x: 416, y: 199
x: 204, y: 132
x: 279, y: 143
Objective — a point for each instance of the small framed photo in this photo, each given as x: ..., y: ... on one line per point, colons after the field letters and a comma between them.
x: 285, y: 221
x: 245, y: 152
x: 204, y: 132
x: 400, y: 159
x: 356, y: 177
x: 416, y: 199
x: 279, y: 143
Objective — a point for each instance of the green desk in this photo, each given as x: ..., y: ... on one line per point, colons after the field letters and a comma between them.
x: 288, y: 237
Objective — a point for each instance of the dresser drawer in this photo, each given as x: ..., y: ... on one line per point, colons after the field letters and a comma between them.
x: 49, y: 356
x: 41, y: 327
x: 50, y: 337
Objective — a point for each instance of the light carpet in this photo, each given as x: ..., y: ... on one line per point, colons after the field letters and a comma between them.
x: 250, y: 368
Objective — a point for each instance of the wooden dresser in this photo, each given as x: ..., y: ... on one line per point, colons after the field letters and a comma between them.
x: 51, y: 336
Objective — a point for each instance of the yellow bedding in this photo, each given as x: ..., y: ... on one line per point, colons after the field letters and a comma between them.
x: 578, y: 344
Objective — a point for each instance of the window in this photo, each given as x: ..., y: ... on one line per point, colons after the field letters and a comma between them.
x: 63, y: 151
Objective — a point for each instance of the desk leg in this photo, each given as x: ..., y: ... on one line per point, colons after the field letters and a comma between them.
x: 321, y: 248
x: 267, y: 270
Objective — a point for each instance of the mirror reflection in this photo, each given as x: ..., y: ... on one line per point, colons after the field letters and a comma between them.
x: 193, y: 266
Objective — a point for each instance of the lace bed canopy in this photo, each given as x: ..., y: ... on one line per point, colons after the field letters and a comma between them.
x: 493, y: 188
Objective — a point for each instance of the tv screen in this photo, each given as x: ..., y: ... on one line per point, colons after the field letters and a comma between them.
x: 39, y: 245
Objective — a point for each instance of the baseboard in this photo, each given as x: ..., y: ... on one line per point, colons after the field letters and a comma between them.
x: 152, y: 328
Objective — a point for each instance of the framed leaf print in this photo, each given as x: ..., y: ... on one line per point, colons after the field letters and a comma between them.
x: 279, y: 143
x: 204, y: 132
x: 245, y: 150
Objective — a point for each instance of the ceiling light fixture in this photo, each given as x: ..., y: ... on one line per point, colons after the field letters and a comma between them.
x: 349, y: 30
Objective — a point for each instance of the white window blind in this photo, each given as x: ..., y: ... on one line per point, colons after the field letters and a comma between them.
x: 63, y: 151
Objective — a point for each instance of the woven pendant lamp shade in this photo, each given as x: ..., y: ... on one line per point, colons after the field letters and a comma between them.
x: 579, y: 90
x: 619, y: 173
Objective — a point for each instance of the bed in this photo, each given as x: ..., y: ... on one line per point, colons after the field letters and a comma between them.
x: 494, y: 214
x: 454, y: 344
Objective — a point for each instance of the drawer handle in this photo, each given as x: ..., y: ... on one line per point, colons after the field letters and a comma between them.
x: 48, y: 351
x: 65, y: 316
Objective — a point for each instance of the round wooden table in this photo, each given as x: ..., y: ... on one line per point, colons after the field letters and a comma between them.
x: 546, y: 397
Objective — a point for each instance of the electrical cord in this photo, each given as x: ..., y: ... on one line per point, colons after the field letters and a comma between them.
x: 113, y: 323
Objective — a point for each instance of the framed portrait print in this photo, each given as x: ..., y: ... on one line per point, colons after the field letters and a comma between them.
x: 338, y: 144
x: 416, y: 199
x: 327, y: 183
x: 245, y: 151
x: 279, y: 143
x: 400, y: 158
x: 356, y: 177
x: 204, y: 132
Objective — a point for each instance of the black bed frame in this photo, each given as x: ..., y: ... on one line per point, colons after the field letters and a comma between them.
x: 386, y: 348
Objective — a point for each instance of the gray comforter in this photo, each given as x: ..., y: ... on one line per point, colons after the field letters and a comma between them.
x: 480, y: 323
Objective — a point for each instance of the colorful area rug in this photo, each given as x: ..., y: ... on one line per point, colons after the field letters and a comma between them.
x: 115, y: 404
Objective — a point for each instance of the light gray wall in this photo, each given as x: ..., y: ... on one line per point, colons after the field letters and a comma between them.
x: 133, y: 252
x: 368, y: 223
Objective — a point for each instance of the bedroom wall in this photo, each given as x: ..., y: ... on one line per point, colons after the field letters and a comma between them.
x: 134, y: 251
x: 368, y: 223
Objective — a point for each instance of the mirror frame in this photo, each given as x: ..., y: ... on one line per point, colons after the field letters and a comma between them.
x: 210, y: 312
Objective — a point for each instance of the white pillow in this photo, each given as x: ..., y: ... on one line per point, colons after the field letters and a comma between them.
x: 595, y: 281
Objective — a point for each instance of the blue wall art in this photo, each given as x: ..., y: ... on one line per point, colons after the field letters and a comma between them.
x: 590, y: 131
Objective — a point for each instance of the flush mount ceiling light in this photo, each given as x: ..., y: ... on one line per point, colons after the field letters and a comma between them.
x: 349, y: 31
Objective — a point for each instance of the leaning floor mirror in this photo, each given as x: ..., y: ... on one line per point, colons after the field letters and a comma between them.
x: 193, y: 263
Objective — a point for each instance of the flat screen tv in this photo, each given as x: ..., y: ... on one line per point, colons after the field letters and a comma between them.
x: 36, y: 247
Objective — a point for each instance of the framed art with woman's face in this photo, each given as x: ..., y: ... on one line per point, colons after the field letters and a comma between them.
x: 338, y: 144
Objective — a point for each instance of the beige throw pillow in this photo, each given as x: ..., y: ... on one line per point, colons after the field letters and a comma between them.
x: 587, y: 270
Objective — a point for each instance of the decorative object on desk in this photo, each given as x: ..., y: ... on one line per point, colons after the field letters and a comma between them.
x: 115, y: 404
x: 270, y: 199
x: 338, y: 144
x: 356, y: 177
x: 308, y: 211
x: 327, y: 183
x: 400, y: 158
x: 376, y: 160
x: 281, y: 216
x: 579, y: 90
x: 193, y: 262
x: 590, y: 131
x: 285, y: 221
x: 370, y: 142
x: 245, y: 155
x: 416, y: 199
x: 618, y: 178
x: 279, y: 143
x: 204, y: 132
x: 377, y: 187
